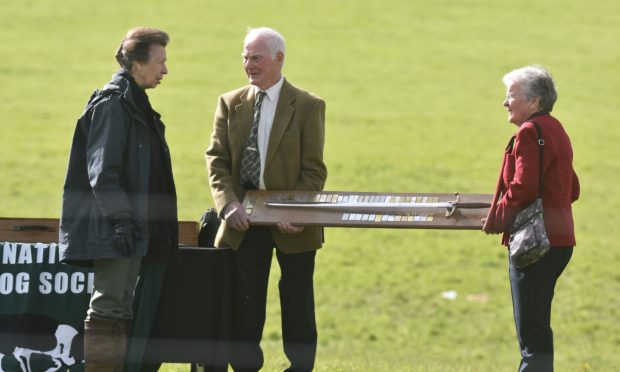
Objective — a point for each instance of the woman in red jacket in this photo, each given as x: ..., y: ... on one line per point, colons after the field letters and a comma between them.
x: 530, y: 97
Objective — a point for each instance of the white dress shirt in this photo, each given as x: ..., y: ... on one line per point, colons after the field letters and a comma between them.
x: 267, y: 113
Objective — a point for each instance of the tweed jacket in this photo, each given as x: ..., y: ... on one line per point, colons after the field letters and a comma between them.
x: 294, y: 159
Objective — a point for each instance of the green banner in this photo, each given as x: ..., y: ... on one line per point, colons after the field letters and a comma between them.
x: 43, y: 304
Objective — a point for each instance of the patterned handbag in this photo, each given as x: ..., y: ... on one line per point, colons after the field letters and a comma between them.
x: 528, y: 239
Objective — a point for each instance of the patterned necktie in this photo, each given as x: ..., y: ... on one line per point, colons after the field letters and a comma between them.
x: 250, y: 159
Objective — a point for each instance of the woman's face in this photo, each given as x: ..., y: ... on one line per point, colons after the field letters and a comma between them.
x: 149, y: 74
x: 519, y: 106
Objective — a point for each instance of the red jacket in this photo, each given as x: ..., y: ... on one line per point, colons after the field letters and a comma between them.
x: 517, y: 185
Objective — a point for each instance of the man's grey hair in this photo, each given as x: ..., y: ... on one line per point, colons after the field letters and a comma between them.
x: 273, y: 39
x: 534, y: 81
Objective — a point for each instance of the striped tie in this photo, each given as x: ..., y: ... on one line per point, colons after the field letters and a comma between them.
x: 250, y: 159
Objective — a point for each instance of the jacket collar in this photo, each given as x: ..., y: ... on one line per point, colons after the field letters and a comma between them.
x: 121, y: 85
x: 539, y: 113
x: 284, y: 112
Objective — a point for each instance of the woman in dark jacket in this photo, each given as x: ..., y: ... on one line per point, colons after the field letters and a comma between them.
x: 119, y: 199
x: 530, y: 97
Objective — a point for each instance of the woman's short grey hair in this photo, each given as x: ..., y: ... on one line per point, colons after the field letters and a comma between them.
x: 136, y: 45
x: 534, y: 81
x: 273, y: 39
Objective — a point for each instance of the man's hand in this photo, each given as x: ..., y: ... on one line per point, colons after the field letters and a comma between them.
x: 287, y: 228
x: 235, y: 216
x: 123, y: 237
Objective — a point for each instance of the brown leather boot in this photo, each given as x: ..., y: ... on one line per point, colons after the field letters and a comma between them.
x: 105, y: 345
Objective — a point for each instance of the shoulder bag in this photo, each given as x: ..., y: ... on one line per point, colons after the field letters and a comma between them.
x: 528, y: 239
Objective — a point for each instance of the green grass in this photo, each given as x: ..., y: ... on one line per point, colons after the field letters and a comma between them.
x: 413, y: 91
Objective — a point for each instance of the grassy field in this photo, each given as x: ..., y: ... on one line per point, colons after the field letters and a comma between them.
x: 414, y: 104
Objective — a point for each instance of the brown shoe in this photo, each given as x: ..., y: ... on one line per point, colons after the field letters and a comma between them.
x: 105, y: 345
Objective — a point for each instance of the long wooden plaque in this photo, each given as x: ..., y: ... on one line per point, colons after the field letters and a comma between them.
x: 368, y: 209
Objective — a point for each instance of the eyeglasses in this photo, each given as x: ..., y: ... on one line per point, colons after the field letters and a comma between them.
x: 512, y: 96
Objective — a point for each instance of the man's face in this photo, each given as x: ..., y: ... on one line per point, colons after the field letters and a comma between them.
x: 262, y: 70
x: 149, y: 74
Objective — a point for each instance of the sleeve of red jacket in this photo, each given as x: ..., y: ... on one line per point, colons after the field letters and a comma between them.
x: 576, y: 189
x: 523, y: 187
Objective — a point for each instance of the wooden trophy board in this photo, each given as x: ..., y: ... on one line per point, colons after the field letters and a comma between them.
x: 367, y: 209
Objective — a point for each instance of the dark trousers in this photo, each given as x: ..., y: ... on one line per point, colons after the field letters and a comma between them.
x: 532, y: 292
x: 252, y: 266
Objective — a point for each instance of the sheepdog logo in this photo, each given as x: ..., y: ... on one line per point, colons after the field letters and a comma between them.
x: 37, y: 343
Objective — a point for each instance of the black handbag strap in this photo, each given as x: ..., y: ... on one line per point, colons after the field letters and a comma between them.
x: 541, y: 147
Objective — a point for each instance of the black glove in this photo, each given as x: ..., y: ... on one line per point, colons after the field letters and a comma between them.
x: 123, y: 237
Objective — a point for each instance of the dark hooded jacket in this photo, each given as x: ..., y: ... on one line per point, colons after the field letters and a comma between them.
x: 108, y: 177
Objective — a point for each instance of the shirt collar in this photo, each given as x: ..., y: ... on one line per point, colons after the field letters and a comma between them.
x: 273, y: 92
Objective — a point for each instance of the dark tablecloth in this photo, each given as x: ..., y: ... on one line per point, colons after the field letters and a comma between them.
x: 193, y: 313
x: 183, y: 311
